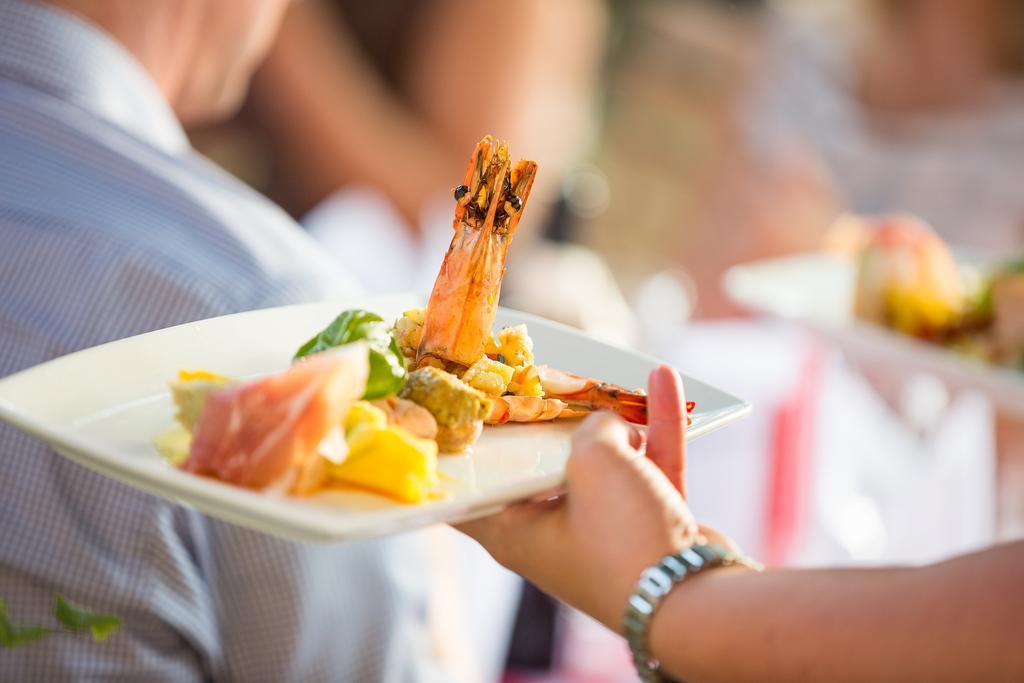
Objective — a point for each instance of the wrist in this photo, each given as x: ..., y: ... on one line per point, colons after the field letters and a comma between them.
x: 658, y: 585
x: 688, y: 625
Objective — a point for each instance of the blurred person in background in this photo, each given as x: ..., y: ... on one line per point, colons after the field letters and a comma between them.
x: 361, y: 119
x: 392, y: 95
x: 910, y: 106
x: 747, y: 127
x: 111, y: 225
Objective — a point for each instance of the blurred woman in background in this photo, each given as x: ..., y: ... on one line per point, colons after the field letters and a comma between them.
x: 737, y: 135
x: 366, y: 112
x: 913, y: 106
x: 392, y: 94
x: 910, y: 105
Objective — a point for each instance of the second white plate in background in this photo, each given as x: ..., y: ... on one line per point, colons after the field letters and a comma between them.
x: 816, y: 290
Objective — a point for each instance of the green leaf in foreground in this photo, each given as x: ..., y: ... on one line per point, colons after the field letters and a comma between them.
x: 12, y: 635
x: 79, y: 619
x: 387, y: 366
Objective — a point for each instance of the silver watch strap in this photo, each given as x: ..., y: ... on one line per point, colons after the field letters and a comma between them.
x: 655, y: 583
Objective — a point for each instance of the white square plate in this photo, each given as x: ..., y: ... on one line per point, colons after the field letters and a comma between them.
x: 817, y: 291
x: 102, y: 407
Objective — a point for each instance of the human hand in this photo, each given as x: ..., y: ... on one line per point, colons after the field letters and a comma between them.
x: 622, y: 513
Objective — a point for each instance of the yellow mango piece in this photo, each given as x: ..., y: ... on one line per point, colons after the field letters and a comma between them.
x: 363, y: 414
x: 390, y: 461
x: 914, y: 311
x: 200, y: 375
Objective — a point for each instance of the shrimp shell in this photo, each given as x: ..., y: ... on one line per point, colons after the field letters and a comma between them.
x: 460, y: 314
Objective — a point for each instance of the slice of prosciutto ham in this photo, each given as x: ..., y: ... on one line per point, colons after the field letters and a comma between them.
x: 266, y: 433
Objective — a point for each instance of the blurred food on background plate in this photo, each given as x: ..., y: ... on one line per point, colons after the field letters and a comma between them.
x: 908, y: 280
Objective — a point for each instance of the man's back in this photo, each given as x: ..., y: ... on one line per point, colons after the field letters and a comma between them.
x: 111, y: 226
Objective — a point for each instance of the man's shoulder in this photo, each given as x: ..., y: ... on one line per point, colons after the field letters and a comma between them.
x: 89, y: 186
x: 103, y: 236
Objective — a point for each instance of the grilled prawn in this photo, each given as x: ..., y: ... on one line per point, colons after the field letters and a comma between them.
x: 489, y: 204
x: 454, y: 333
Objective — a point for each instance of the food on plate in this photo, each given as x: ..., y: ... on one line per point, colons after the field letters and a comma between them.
x: 173, y: 444
x: 565, y: 395
x: 492, y: 377
x: 1005, y: 297
x: 588, y: 394
x: 190, y: 392
x: 456, y: 330
x: 371, y: 405
x: 414, y: 418
x: 513, y: 346
x: 459, y: 319
x: 387, y: 366
x: 407, y: 331
x: 908, y: 280
x: 526, y: 409
x: 364, y: 414
x: 385, y: 459
x: 526, y: 382
x: 268, y: 432
x: 458, y: 408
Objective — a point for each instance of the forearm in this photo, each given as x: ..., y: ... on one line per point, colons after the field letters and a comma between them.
x: 525, y: 71
x: 959, y: 620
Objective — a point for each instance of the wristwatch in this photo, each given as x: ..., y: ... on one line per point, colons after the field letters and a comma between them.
x: 655, y: 583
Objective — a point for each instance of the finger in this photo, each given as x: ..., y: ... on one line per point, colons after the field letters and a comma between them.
x: 520, y: 534
x: 608, y: 432
x: 601, y: 444
x: 515, y: 515
x: 605, y: 428
x: 666, y: 420
x: 553, y: 497
x: 478, y: 529
x: 637, y: 437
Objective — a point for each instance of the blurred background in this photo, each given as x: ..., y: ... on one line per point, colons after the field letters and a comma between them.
x: 676, y: 138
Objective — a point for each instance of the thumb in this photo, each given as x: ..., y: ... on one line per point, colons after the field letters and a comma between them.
x: 602, y: 444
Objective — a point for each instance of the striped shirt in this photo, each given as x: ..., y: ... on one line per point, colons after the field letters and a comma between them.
x: 111, y: 225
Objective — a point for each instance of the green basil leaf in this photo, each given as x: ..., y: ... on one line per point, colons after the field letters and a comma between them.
x: 346, y: 328
x: 387, y: 365
x: 80, y: 619
x: 387, y: 370
x: 14, y: 636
